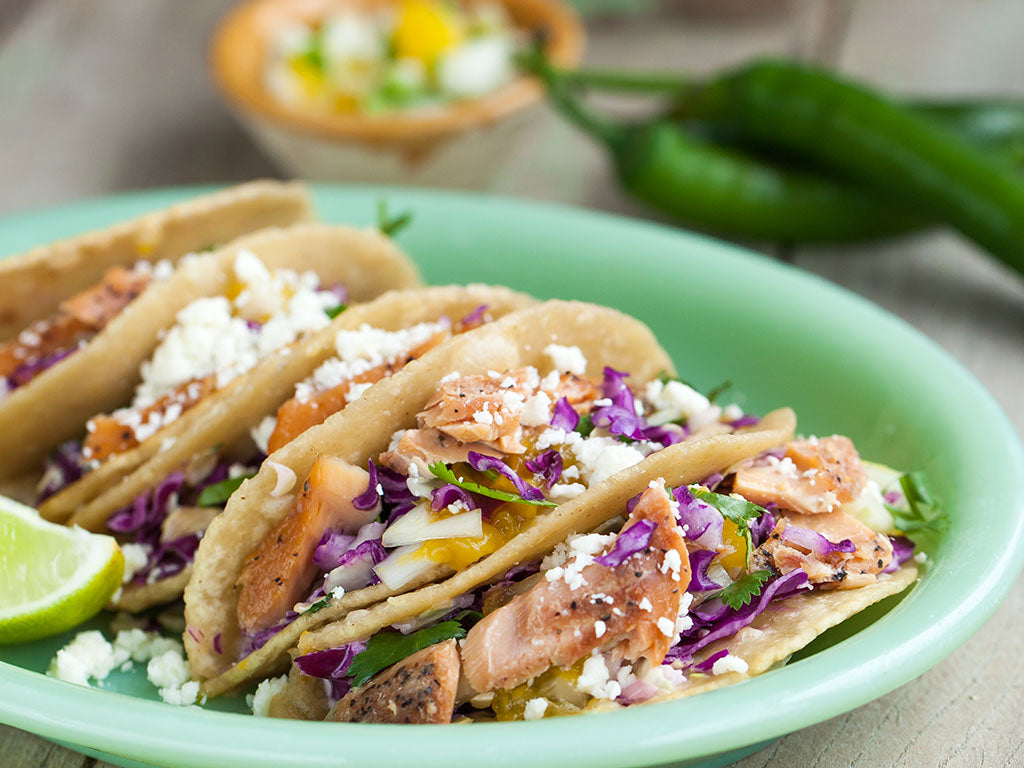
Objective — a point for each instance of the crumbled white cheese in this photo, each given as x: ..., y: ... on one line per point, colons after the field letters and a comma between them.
x: 594, y: 679
x: 829, y: 500
x: 170, y: 674
x: 666, y: 626
x: 420, y: 487
x: 138, y: 645
x: 672, y: 564
x: 674, y: 400
x: 357, y: 390
x: 645, y: 605
x: 535, y: 709
x: 567, y: 359
x: 265, y: 691
x: 728, y: 664
x: 921, y: 558
x: 536, y: 411
x: 363, y: 349
x: 600, y: 628
x: 450, y: 377
x: 601, y: 457
x: 89, y: 655
x: 568, y: 559
x: 211, y: 335
x: 732, y: 412
x: 565, y: 491
x: 261, y: 433
x: 136, y: 556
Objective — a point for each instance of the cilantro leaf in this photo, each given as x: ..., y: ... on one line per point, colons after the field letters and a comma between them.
x: 319, y: 605
x: 387, y: 648
x: 441, y: 472
x: 923, y: 519
x: 333, y: 312
x: 742, y: 591
x: 718, y: 391
x: 586, y: 425
x: 218, y: 493
x: 391, y: 225
x: 313, y: 55
x: 739, y: 511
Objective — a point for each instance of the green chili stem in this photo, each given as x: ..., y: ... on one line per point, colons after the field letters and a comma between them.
x: 640, y: 82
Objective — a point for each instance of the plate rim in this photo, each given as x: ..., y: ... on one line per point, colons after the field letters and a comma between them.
x: 47, y: 707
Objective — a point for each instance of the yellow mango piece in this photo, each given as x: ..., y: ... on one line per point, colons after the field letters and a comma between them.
x: 425, y: 30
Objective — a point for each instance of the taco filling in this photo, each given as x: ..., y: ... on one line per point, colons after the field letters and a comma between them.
x: 166, y: 524
x: 77, y: 320
x: 696, y: 587
x: 489, y: 455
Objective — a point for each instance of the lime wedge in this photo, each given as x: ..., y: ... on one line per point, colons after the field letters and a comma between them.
x: 51, y: 577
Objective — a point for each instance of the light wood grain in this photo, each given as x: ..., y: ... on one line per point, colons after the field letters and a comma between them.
x: 82, y: 115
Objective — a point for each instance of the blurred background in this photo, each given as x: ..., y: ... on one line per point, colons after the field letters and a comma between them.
x: 105, y: 96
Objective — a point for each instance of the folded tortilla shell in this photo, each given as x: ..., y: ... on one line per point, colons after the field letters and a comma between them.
x: 365, y: 261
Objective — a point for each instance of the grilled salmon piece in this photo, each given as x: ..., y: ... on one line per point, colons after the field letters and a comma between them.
x: 482, y: 409
x: 278, y: 574
x: 812, y: 478
x: 296, y: 416
x: 419, y: 689
x: 872, y: 555
x: 555, y: 625
x: 423, y: 447
x: 77, y: 318
x: 108, y: 435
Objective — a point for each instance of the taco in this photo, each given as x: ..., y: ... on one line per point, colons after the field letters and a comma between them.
x: 492, y: 414
x: 684, y: 588
x: 161, y: 510
x: 246, y: 301
x: 89, y: 309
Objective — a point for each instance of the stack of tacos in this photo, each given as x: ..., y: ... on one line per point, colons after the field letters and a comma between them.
x: 437, y: 504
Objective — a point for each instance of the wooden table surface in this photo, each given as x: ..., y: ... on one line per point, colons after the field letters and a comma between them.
x: 99, y: 96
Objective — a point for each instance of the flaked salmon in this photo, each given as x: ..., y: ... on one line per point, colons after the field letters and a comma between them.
x: 297, y: 415
x: 420, y: 689
x: 481, y: 409
x: 813, y: 477
x: 629, y: 610
x: 423, y: 447
x: 842, y: 570
x: 279, y: 573
x: 77, y: 318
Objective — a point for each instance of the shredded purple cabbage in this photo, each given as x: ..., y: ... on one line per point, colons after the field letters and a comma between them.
x: 330, y: 664
x: 145, y: 514
x: 630, y: 540
x: 713, y: 620
x: 636, y: 692
x: 902, y: 550
x: 700, y: 559
x: 475, y: 317
x: 482, y: 463
x: 761, y: 528
x: 633, y: 501
x: 565, y: 416
x: 620, y: 415
x: 217, y: 647
x: 370, y: 498
x: 25, y: 372
x: 815, y: 542
x: 333, y: 544
x: 709, y: 662
x: 63, y: 467
x: 892, y: 497
x: 352, y: 568
x: 447, y: 494
x: 340, y: 292
x: 548, y: 465
x: 703, y: 523
x: 711, y: 481
x: 747, y: 420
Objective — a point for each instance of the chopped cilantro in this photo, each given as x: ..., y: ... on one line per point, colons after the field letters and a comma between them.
x: 742, y: 591
x: 387, y: 648
x: 586, y: 425
x: 923, y: 519
x: 218, y: 493
x: 333, y: 312
x: 739, y: 511
x: 313, y: 55
x: 319, y: 605
x: 718, y: 391
x: 441, y: 472
x: 391, y: 225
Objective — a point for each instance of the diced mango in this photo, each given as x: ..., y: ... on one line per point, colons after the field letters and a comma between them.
x: 425, y: 29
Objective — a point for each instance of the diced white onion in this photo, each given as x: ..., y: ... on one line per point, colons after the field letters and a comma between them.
x: 285, y: 478
x: 403, y: 566
x: 420, y: 524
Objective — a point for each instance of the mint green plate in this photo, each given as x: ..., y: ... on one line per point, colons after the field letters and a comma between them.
x: 783, y: 336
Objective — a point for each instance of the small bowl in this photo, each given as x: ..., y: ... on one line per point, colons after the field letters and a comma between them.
x: 453, y: 146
